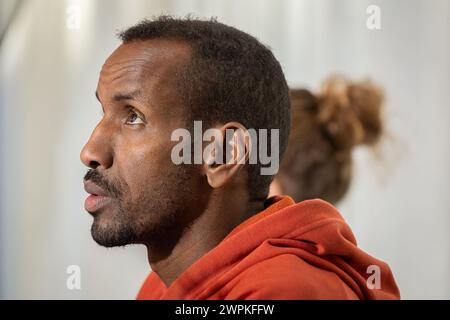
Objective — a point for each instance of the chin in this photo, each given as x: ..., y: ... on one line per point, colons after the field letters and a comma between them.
x: 108, y: 232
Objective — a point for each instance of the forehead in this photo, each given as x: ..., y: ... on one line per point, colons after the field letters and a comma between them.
x: 141, y: 62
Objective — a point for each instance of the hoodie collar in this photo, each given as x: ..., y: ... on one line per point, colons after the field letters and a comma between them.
x: 272, y: 205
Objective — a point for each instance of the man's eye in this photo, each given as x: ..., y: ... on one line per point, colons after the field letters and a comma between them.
x: 134, y: 118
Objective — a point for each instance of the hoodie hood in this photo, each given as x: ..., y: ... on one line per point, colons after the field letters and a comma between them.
x: 287, y: 251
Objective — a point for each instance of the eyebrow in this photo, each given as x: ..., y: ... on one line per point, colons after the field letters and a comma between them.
x: 133, y: 95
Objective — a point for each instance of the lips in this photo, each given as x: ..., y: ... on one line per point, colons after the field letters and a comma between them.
x: 97, y: 198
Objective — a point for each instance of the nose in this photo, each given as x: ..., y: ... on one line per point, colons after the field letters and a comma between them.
x: 97, y: 152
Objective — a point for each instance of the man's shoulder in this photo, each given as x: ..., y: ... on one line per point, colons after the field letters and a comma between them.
x: 284, y: 270
x: 286, y: 276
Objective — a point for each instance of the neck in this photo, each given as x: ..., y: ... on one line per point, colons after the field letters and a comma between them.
x: 211, y: 227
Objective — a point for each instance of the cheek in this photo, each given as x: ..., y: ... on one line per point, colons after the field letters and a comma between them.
x: 142, y: 165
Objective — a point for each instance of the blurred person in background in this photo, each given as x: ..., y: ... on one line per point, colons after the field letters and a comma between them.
x: 326, y: 127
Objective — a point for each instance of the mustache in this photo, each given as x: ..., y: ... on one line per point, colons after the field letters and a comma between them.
x: 111, y: 188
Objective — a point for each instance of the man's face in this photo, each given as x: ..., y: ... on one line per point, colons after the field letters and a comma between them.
x: 137, y: 193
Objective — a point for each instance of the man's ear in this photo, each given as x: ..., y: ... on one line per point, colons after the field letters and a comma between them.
x: 228, y: 155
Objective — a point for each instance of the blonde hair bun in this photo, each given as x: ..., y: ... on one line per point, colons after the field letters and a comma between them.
x: 350, y: 112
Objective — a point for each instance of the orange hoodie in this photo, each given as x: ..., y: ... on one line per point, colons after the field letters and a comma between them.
x: 287, y: 251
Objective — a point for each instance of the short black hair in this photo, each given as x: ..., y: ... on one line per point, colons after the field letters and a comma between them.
x: 231, y: 77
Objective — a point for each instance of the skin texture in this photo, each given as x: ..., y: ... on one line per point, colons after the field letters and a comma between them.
x: 275, y: 188
x: 179, y: 212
